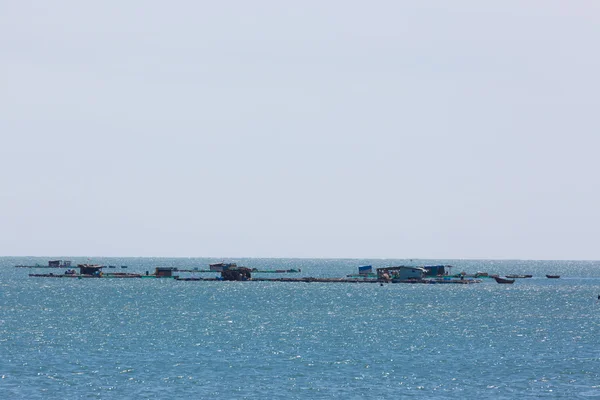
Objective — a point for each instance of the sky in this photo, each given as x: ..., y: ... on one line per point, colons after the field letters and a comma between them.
x: 335, y: 129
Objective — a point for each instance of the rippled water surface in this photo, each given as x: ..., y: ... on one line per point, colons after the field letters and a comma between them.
x: 161, y: 338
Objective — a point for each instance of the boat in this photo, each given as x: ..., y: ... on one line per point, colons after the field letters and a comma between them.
x: 553, y: 276
x: 504, y: 280
x: 519, y: 276
x: 477, y: 275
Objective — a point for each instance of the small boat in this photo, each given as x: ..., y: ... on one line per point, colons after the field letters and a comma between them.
x: 504, y: 280
x: 519, y: 276
x: 553, y: 276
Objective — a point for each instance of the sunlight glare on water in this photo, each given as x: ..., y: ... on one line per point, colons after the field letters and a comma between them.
x: 158, y: 338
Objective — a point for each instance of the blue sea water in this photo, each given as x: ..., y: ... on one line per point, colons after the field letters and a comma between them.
x: 161, y: 338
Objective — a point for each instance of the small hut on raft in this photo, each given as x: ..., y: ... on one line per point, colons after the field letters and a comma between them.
x: 236, y: 274
x: 164, y: 272
x: 89, y: 269
x: 400, y: 273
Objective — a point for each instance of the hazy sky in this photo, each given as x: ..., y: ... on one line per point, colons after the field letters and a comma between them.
x: 393, y: 129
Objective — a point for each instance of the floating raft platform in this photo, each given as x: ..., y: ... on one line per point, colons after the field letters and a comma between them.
x: 254, y: 271
x: 63, y: 276
x: 369, y: 275
x: 51, y: 275
x: 297, y: 280
x: 120, y: 275
x: 343, y: 280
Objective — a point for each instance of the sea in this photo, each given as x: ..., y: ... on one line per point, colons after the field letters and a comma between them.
x: 168, y: 339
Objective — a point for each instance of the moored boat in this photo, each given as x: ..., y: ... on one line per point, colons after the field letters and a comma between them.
x: 519, y: 276
x: 504, y: 280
